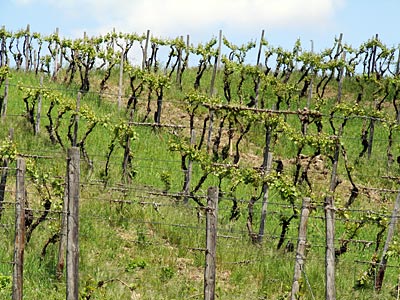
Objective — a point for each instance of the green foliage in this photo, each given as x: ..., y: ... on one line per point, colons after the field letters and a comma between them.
x: 394, y: 250
x: 5, y: 282
x: 135, y: 264
x: 8, y: 150
x: 286, y: 189
x: 167, y: 273
x: 4, y: 71
x: 367, y: 278
x: 166, y: 179
x: 206, y: 50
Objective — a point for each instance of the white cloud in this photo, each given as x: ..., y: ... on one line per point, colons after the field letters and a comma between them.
x: 173, y: 17
x: 166, y: 16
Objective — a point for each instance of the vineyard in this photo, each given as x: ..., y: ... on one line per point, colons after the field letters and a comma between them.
x: 298, y: 150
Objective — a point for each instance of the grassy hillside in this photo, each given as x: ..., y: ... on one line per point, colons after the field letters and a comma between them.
x: 140, y: 240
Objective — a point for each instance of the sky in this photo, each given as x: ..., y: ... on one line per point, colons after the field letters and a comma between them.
x: 241, y: 21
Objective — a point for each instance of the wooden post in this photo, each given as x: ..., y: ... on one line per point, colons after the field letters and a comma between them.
x: 54, y: 77
x: 3, y: 182
x: 5, y: 99
x: 329, y: 207
x: 27, y: 48
x: 391, y: 230
x: 127, y: 152
x: 39, y: 108
x: 157, y: 115
x: 211, y: 243
x: 301, y: 247
x: 179, y: 63
x: 17, y: 285
x: 73, y: 224
x: 188, y: 171
x: 260, y: 47
x: 212, y: 89
x: 371, y: 137
x: 35, y: 62
x: 218, y: 61
x: 216, y: 65
x: 60, y: 53
x: 341, y: 77
x: 330, y: 249
x: 339, y: 44
x: 188, y: 51
x: 398, y: 62
x: 146, y: 46
x: 113, y: 39
x: 63, y: 232
x: 3, y: 48
x: 4, y: 175
x: 265, y: 199
x: 310, y: 89
x: 257, y: 85
x: 121, y: 74
x: 266, y: 165
x: 76, y: 127
x: 373, y: 67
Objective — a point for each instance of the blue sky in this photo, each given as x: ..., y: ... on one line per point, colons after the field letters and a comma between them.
x: 240, y: 20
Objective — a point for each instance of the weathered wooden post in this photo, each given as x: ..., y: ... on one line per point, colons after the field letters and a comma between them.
x: 63, y: 232
x: 301, y: 247
x: 3, y: 48
x: 211, y: 243
x: 341, y: 77
x: 60, y: 52
x: 397, y: 70
x: 329, y: 208
x: 39, y: 108
x: 187, y: 51
x: 4, y: 175
x: 19, y: 244
x: 35, y: 61
x: 120, y: 82
x: 216, y: 65
x: 73, y: 224
x: 257, y: 84
x: 3, y: 107
x: 144, y: 50
x: 54, y: 77
x: 188, y: 171
x: 212, y: 89
x: 267, y: 167
x: 27, y: 48
x: 178, y: 64
x: 310, y: 89
x: 330, y: 291
x: 391, y: 231
x: 126, y: 164
x: 76, y: 125
x: 329, y: 204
